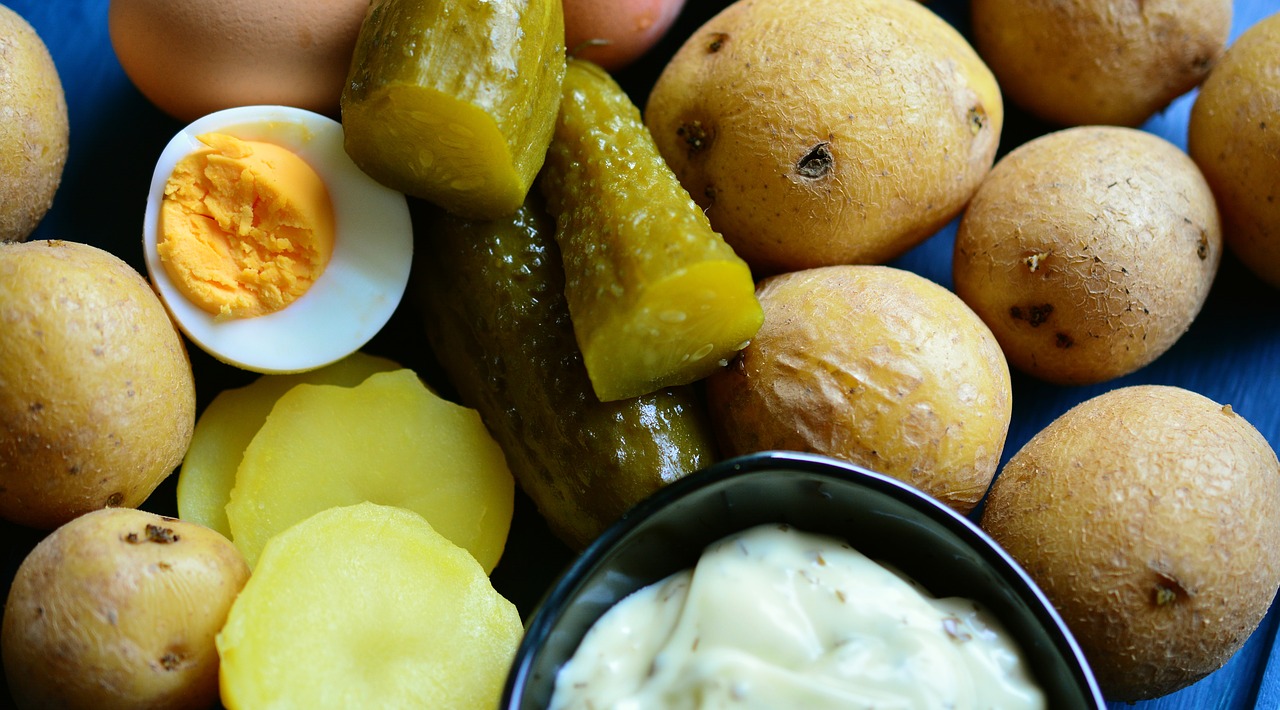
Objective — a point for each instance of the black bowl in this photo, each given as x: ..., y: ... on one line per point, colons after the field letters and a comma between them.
x: 882, y: 517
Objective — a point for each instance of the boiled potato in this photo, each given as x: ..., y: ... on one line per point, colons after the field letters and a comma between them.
x: 873, y: 365
x: 1089, y: 251
x: 119, y: 609
x: 227, y: 425
x: 1150, y: 516
x: 97, y: 397
x: 366, y: 606
x: 34, y: 130
x: 819, y: 132
x: 1099, y: 61
x: 1233, y: 136
x: 388, y: 440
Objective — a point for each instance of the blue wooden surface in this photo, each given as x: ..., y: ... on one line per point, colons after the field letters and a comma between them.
x: 1231, y: 354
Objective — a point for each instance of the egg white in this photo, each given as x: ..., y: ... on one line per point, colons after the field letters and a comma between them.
x: 358, y: 291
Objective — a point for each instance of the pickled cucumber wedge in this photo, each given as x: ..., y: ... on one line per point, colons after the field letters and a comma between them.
x: 656, y: 296
x: 492, y: 299
x: 454, y: 101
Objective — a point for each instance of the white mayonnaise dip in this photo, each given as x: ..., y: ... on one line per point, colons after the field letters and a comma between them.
x: 773, y: 617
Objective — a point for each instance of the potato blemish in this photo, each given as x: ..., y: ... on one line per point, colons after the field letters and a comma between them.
x: 153, y: 533
x: 1035, y: 316
x: 717, y: 42
x: 695, y: 136
x: 817, y: 163
x: 977, y: 119
x: 171, y: 660
x: 1167, y: 590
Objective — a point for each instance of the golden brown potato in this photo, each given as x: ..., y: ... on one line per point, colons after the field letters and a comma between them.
x: 1099, y: 61
x: 119, y: 608
x: 34, y: 129
x: 1150, y: 516
x: 818, y: 132
x: 874, y: 365
x: 1088, y: 251
x: 97, y: 397
x: 1234, y: 136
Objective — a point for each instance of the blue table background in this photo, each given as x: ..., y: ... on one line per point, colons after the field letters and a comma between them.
x: 1231, y: 353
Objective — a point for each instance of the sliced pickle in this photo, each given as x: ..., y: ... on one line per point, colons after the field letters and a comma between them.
x: 454, y: 101
x: 656, y: 295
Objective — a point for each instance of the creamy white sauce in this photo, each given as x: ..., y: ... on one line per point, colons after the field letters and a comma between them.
x: 778, y: 618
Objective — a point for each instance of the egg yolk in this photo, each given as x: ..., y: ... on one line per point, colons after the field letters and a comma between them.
x: 246, y: 227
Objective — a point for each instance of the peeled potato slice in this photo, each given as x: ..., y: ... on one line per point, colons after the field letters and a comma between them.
x: 389, y: 440
x: 366, y: 606
x: 228, y: 424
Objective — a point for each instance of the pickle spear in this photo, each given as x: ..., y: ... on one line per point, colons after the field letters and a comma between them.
x: 454, y: 101
x: 656, y: 295
x: 491, y: 296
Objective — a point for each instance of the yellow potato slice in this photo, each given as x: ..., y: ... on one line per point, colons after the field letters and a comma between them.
x: 389, y: 440
x: 366, y: 606
x: 228, y: 424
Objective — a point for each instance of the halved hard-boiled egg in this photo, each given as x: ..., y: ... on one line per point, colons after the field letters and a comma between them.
x: 271, y: 249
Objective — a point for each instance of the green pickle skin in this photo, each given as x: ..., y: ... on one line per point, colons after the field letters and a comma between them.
x: 454, y: 101
x: 492, y: 300
x: 657, y: 296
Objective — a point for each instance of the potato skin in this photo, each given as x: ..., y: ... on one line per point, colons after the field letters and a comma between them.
x: 34, y: 133
x: 119, y: 609
x: 873, y: 365
x: 97, y: 396
x: 1234, y: 136
x: 819, y: 132
x: 1088, y: 251
x: 1111, y: 62
x: 1150, y: 516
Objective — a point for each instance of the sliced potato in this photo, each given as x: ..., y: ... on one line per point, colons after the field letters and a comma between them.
x: 389, y: 440
x: 228, y: 424
x: 367, y: 606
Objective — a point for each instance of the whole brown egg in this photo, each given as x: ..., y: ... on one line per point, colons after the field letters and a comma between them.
x: 193, y: 58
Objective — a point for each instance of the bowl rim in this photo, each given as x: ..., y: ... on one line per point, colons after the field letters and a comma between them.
x: 555, y: 600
